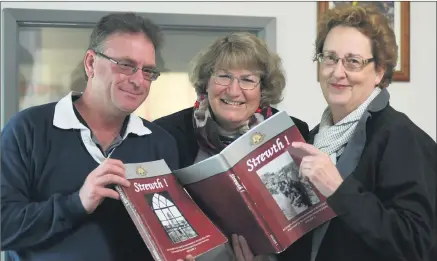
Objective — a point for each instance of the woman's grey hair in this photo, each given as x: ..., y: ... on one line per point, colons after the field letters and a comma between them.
x: 123, y: 23
x: 240, y: 50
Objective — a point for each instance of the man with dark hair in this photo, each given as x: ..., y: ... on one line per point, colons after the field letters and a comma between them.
x: 61, y: 160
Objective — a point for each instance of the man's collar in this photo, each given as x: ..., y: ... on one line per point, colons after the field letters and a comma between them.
x: 65, y: 118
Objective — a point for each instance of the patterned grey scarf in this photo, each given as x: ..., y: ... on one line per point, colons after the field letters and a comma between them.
x: 332, y: 139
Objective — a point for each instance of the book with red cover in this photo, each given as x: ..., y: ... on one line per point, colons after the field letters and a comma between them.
x: 253, y: 188
x: 170, y: 223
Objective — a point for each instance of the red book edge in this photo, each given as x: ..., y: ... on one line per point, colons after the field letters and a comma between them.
x: 141, y: 227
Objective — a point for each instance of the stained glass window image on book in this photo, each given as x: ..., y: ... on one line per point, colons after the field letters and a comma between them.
x: 292, y: 194
x: 174, y: 223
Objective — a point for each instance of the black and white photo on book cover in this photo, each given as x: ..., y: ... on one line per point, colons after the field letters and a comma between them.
x: 292, y: 194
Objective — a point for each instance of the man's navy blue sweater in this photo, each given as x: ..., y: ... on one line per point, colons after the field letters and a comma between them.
x: 42, y: 169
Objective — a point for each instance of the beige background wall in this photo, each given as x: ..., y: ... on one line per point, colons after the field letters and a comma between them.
x: 51, y: 65
x: 296, y: 22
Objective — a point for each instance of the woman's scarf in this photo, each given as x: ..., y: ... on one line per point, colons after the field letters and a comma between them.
x: 332, y: 138
x: 210, y: 136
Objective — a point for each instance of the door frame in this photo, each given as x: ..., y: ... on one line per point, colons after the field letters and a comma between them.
x: 14, y: 18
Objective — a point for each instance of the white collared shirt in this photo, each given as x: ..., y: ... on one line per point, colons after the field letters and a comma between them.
x: 65, y: 118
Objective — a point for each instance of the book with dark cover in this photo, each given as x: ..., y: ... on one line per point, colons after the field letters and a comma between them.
x: 170, y: 223
x: 253, y: 188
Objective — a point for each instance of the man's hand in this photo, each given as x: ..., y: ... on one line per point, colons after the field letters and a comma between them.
x: 242, y: 250
x: 94, y: 189
x: 187, y: 258
x: 317, y: 167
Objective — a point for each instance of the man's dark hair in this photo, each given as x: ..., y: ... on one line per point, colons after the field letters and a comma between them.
x: 123, y: 23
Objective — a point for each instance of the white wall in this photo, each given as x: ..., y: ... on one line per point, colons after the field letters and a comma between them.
x: 296, y: 32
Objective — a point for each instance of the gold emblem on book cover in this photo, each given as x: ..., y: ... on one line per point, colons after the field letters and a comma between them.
x: 141, y: 171
x: 257, y: 138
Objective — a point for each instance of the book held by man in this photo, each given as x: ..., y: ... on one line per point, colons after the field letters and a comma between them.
x: 170, y: 223
x: 253, y: 188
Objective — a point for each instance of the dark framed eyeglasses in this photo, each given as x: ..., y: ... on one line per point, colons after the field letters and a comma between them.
x: 246, y: 82
x: 129, y: 69
x: 351, y: 63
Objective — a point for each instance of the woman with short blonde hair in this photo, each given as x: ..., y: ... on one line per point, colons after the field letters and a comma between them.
x: 237, y: 79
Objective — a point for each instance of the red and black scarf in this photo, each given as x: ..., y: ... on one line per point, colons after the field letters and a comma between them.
x: 207, y: 130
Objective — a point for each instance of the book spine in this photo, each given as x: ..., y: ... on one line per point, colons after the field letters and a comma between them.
x: 142, y: 229
x: 261, y: 222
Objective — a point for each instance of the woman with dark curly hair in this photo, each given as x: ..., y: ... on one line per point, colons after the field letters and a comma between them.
x: 237, y: 79
x: 374, y: 165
